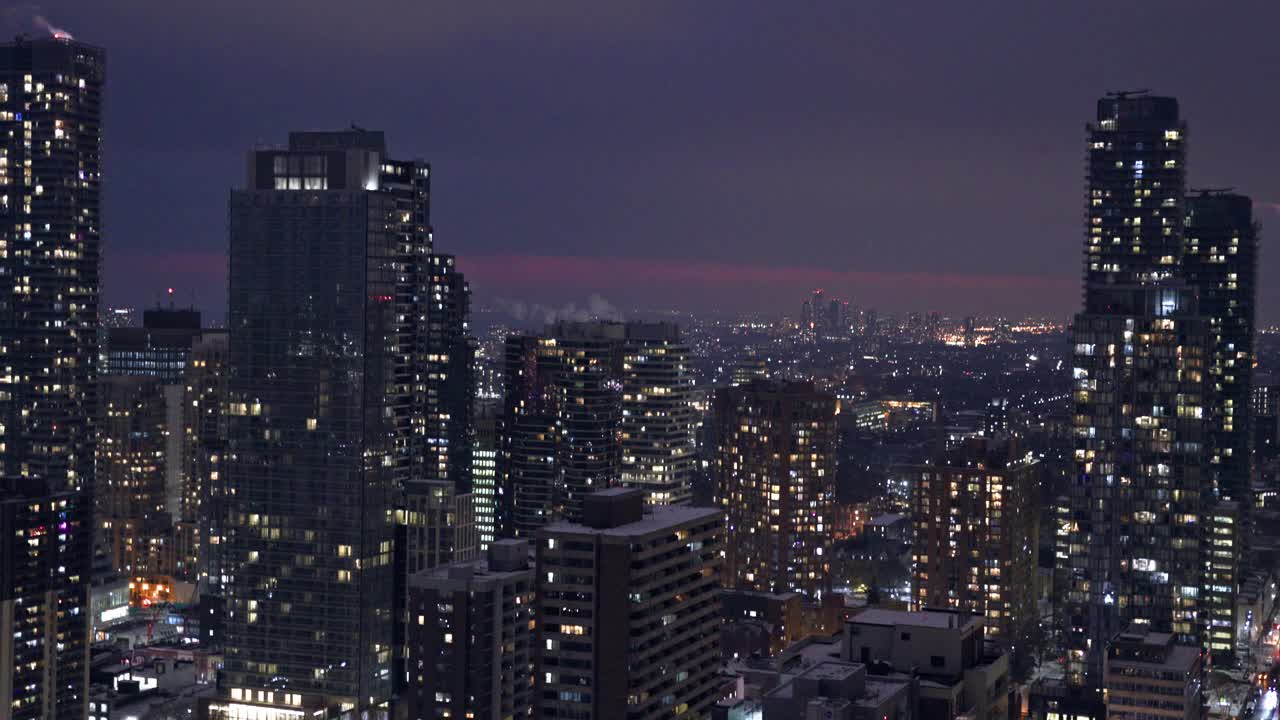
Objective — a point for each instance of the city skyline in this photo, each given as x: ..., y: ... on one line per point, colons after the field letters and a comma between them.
x: 851, y: 166
x: 862, y: 465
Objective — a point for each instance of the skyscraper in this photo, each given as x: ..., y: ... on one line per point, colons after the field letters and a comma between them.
x: 1220, y: 258
x: 50, y: 224
x: 527, y: 437
x: 329, y: 273
x: 590, y: 405
x: 588, y: 410
x: 628, y: 618
x: 1141, y: 503
x: 775, y: 478
x: 204, y: 439
x: 658, y: 417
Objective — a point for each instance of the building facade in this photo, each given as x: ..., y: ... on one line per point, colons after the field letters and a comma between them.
x: 51, y: 92
x: 775, y: 477
x: 471, y: 637
x: 658, y: 418
x: 1149, y: 675
x: 977, y: 525
x: 628, y: 617
x: 329, y: 271
x: 134, y: 527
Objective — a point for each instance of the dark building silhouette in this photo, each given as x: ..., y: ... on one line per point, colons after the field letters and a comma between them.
x: 51, y: 93
x: 471, y: 628
x: 330, y: 270
x: 628, y: 617
x: 157, y: 349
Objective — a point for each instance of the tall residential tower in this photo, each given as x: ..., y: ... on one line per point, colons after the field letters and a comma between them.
x: 50, y: 227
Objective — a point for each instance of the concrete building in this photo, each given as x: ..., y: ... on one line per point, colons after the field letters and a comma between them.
x: 133, y: 524
x: 1148, y: 675
x: 810, y: 680
x: 471, y: 637
x: 977, y: 525
x: 775, y: 477
x: 628, y: 614
x: 758, y: 623
x: 945, y: 648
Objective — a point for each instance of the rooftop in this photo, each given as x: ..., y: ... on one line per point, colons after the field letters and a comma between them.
x: 654, y: 520
x: 922, y: 618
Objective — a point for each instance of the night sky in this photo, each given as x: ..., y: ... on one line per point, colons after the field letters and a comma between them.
x: 726, y: 154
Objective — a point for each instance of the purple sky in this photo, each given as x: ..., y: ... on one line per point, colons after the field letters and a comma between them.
x: 700, y: 154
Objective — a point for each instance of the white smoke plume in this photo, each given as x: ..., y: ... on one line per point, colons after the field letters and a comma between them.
x: 596, y: 308
x: 57, y: 32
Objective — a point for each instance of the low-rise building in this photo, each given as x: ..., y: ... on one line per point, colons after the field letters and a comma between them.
x: 945, y: 648
x: 810, y: 680
x: 1147, y: 675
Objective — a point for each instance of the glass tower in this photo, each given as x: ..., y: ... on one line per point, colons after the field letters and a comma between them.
x: 329, y: 271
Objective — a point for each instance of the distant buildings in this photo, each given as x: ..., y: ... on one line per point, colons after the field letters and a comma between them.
x: 977, y: 523
x: 775, y: 479
x: 471, y: 629
x: 628, y: 617
x: 51, y: 94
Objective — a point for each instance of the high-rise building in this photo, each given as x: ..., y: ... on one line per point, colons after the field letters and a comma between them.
x: 588, y: 410
x: 204, y: 439
x: 1220, y: 258
x: 484, y: 477
x: 43, y: 619
x: 590, y: 405
x: 471, y: 637
x: 449, y: 373
x: 775, y: 477
x: 628, y: 617
x: 977, y: 524
x: 50, y: 224
x: 329, y: 277
x: 527, y: 437
x: 133, y: 524
x: 1141, y: 498
x: 658, y: 417
x: 157, y: 349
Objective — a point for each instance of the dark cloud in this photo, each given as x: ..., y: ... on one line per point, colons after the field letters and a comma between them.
x: 859, y: 137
